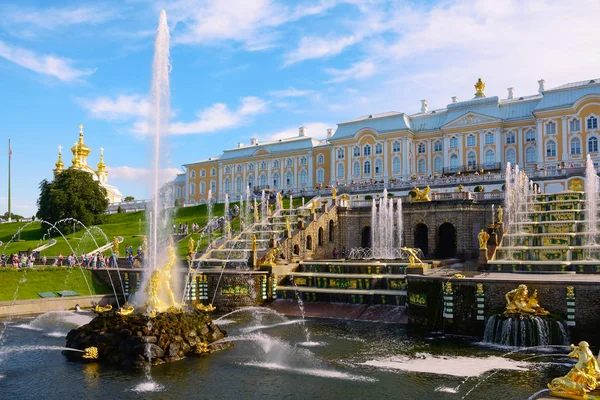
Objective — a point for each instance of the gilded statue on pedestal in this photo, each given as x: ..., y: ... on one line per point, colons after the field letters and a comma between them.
x: 500, y: 214
x: 98, y: 309
x: 518, y: 302
x: 116, y: 245
x: 269, y: 260
x: 126, y: 309
x: 422, y: 195
x: 583, y: 377
x: 413, y: 259
x: 161, y: 279
x: 333, y: 192
x: 254, y: 243
x: 483, y: 237
x: 191, y: 247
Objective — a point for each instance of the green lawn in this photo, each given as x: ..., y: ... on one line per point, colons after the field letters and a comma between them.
x: 47, y: 280
x: 128, y: 225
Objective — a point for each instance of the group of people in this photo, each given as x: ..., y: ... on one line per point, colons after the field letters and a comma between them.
x: 339, y: 254
x: 16, y: 261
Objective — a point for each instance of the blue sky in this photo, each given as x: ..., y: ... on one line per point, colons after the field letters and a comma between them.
x: 258, y: 68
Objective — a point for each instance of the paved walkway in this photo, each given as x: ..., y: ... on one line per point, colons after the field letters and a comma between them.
x: 515, y: 276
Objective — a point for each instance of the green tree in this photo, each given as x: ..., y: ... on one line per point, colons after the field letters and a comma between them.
x: 129, y: 198
x: 72, y: 194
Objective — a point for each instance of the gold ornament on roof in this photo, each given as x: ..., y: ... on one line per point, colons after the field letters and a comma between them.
x: 518, y: 302
x: 101, y: 165
x: 479, y: 88
x: 59, y: 164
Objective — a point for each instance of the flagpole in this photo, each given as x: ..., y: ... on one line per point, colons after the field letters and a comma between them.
x: 9, y: 157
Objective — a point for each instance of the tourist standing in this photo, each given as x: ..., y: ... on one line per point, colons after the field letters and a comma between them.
x: 335, y: 252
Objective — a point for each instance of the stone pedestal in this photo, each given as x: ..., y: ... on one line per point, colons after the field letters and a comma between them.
x: 482, y: 260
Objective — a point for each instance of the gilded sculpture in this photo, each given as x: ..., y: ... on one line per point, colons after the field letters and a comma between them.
x: 570, y: 292
x: 479, y: 88
x: 161, y: 279
x: 518, y: 302
x: 581, y: 379
x: 269, y: 260
x: 191, y: 245
x: 480, y: 288
x: 125, y: 310
x: 333, y: 192
x: 254, y: 243
x: 98, y: 309
x: 413, y: 259
x: 422, y: 195
x: 91, y: 353
x: 500, y: 214
x: 116, y: 245
x: 483, y: 238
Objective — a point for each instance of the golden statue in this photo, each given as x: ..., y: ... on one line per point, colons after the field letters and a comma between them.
x: 191, y: 247
x: 480, y: 288
x: 161, y: 279
x: 145, y: 244
x: 479, y: 88
x: 98, y: 309
x: 518, y: 302
x: 91, y: 353
x: 422, y: 195
x: 125, y: 310
x: 581, y: 379
x: 570, y: 292
x: 288, y: 226
x: 333, y: 192
x: 269, y: 260
x: 254, y: 243
x: 413, y: 259
x: 500, y: 214
x: 312, y: 207
x: 116, y: 245
x: 483, y: 237
x: 202, y: 307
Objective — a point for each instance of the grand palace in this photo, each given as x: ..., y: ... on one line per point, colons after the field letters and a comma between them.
x: 468, y: 142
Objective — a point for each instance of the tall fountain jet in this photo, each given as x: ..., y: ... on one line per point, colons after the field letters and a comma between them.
x: 158, y: 218
x: 383, y: 231
x: 591, y: 205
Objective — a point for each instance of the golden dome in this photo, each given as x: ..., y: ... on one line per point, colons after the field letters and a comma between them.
x: 80, y: 149
x: 101, y: 165
x: 59, y: 164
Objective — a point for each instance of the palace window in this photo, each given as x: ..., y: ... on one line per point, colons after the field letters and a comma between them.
x: 530, y: 136
x: 288, y: 162
x: 575, y: 125
x: 489, y: 138
x: 238, y: 168
x: 178, y: 192
x: 437, y: 146
x: 378, y: 166
x: 453, y: 143
x: 471, y: 160
x: 592, y: 123
x: 453, y: 163
x: 511, y: 138
x: 202, y: 187
x: 396, y: 146
x: 421, y: 148
x: 396, y: 164
x: 250, y: 181
x: 421, y: 168
x: 250, y: 167
x: 340, y: 170
x: 378, y: 148
x: 320, y: 159
x: 238, y: 184
x: 289, y: 179
x: 192, y: 174
x: 340, y: 154
x: 263, y: 180
x: 356, y: 168
x: 213, y: 186
x: 489, y: 159
x: 275, y: 180
x: 551, y: 149
x: 213, y: 172
x: 320, y: 175
x: 530, y: 155
x: 356, y: 151
x: 203, y: 173
x: 471, y: 140
x: 367, y: 168
x: 593, y: 145
x: 227, y: 185
x: 192, y: 189
x: 276, y: 164
x: 511, y: 156
x: 367, y: 150
x: 551, y: 128
x: 303, y: 177
x: 263, y: 165
x: 437, y: 164
x: 575, y: 146
x: 227, y: 170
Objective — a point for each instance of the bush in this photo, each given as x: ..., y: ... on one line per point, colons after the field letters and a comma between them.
x: 479, y: 189
x: 119, y: 210
x: 390, y: 194
x: 412, y: 193
x: 368, y: 197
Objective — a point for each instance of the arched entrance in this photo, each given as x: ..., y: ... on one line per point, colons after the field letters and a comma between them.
x: 320, y: 237
x: 421, y: 239
x: 308, y: 242
x: 365, y: 237
x: 446, y: 245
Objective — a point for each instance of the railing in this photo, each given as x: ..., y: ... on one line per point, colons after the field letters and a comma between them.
x: 473, y: 167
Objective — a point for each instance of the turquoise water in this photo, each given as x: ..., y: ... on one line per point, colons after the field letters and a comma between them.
x: 277, y: 358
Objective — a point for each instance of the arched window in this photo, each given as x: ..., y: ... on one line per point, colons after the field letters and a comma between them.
x: 367, y: 168
x: 421, y: 148
x: 575, y: 125
x: 471, y: 140
x: 178, y: 192
x: 320, y: 236
x: 303, y: 177
x: 437, y: 146
x: 551, y: 128
x: 593, y: 145
x: 453, y: 143
x: 227, y: 185
x: 288, y: 162
x: 250, y: 167
x: 340, y: 154
x: 275, y: 180
x: 203, y: 173
x: 238, y: 168
x: 356, y: 151
x: 276, y: 164
x: 367, y: 150
x: 192, y: 174
x: 356, y: 168
x: 575, y: 146
x: 551, y: 149
x: 213, y: 186
x: 471, y: 160
x: 378, y: 166
x: 510, y: 138
x: 437, y: 164
x: 489, y: 159
x: 320, y: 159
x: 308, y: 242
x: 227, y: 170
x: 238, y: 184
x: 340, y: 170
x: 378, y: 148
x: 289, y: 178
x: 192, y: 189
x: 511, y: 156
x: 489, y: 138
x: 453, y: 163
x: 396, y: 146
x: 592, y: 123
x: 396, y: 164
x: 421, y: 167
x: 530, y: 155
x: 251, y: 181
x: 320, y: 175
x: 530, y: 136
x: 263, y: 180
x: 202, y: 187
x: 213, y: 172
x: 263, y: 165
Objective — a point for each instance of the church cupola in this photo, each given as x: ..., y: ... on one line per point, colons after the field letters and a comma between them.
x: 80, y: 150
x: 59, y: 163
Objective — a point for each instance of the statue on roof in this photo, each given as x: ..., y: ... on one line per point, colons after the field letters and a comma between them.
x: 479, y: 88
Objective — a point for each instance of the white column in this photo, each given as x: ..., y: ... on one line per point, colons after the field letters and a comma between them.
x: 269, y: 180
x: 499, y: 146
x: 281, y: 174
x: 332, y: 172
x: 310, y: 170
x: 219, y: 183
x: 446, y: 151
x: 481, y: 156
x: 520, y: 148
x: 405, y: 156
x: 385, y: 161
x: 565, y: 134
x: 539, y: 141
x: 349, y: 163
x: 460, y: 149
x: 187, y: 185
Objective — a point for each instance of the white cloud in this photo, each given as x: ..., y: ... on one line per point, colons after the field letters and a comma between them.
x: 359, y: 70
x: 141, y: 174
x: 60, y: 68
x: 317, y: 130
x: 51, y: 18
x: 122, y: 107
x: 291, y: 92
x: 215, y: 118
x: 316, y: 47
